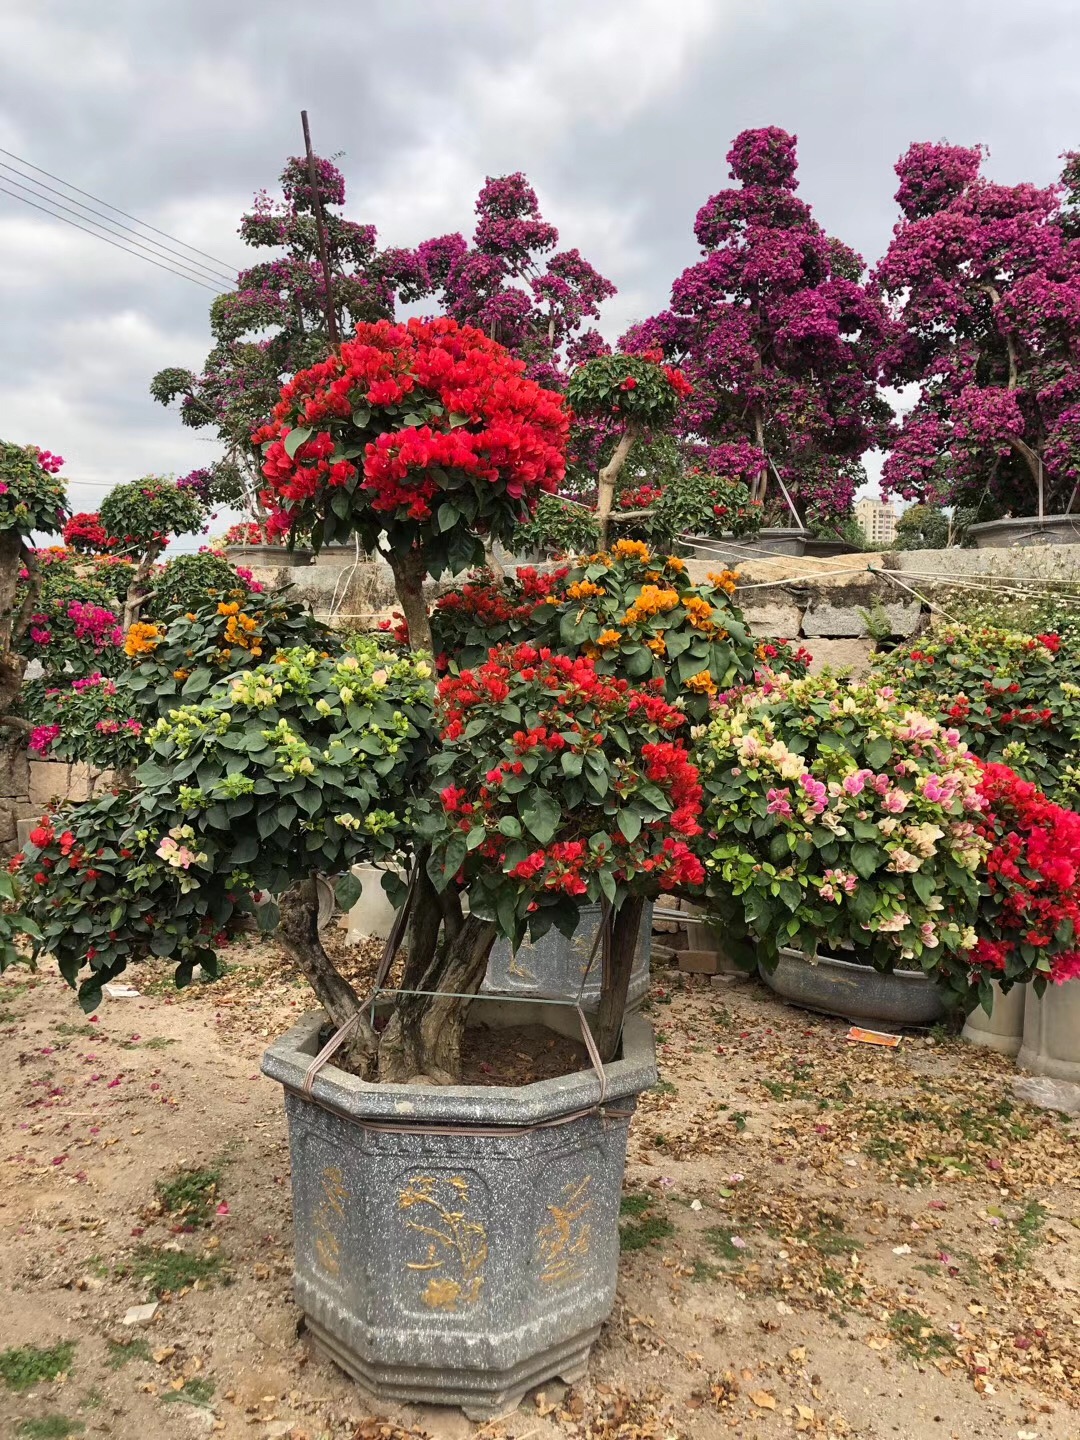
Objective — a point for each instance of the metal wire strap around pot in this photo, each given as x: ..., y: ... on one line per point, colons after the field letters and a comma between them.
x: 343, y: 1032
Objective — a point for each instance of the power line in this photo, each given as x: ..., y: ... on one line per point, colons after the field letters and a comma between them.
x: 97, y: 199
x: 98, y: 236
x: 124, y: 231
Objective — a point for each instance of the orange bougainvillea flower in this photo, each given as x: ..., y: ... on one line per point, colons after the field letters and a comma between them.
x: 141, y: 639
x: 651, y: 601
x: 702, y: 683
x: 727, y: 580
x: 584, y: 590
x: 658, y: 645
x: 631, y: 550
x: 699, y: 612
x: 231, y: 609
x: 608, y: 637
x: 674, y: 563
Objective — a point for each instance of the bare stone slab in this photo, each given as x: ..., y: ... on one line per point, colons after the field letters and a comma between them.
x: 831, y: 620
x: 853, y: 655
x: 771, y: 620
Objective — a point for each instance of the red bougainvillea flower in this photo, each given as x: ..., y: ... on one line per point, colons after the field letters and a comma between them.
x: 85, y: 532
x: 1033, y: 909
x: 405, y: 412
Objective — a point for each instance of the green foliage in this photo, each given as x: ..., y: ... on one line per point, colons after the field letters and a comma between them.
x: 199, y: 1390
x: 646, y: 1228
x: 844, y: 821
x: 49, y: 1427
x: 558, y: 527
x: 187, y: 582
x: 698, y: 503
x: 917, y: 1337
x: 143, y: 515
x: 121, y: 1351
x: 305, y: 764
x: 189, y: 1196
x: 628, y: 387
x: 32, y: 499
x: 55, y: 639
x: 923, y: 527
x: 23, y: 1367
x: 1013, y: 697
x: 165, y: 1272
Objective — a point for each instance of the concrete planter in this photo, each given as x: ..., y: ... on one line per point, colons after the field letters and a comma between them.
x: 1052, y: 1033
x: 555, y: 967
x: 1029, y: 530
x: 820, y: 548
x: 773, y: 540
x: 1003, y: 1029
x: 338, y: 557
x: 856, y: 992
x: 268, y: 557
x: 452, y: 1269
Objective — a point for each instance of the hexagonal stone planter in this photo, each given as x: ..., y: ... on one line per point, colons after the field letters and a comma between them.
x: 856, y: 992
x: 555, y: 967
x: 450, y: 1268
x: 1051, y: 1044
x: 1003, y: 1029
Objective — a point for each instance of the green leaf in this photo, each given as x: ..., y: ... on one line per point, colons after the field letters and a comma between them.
x: 541, y: 814
x: 361, y: 416
x: 442, y: 869
x: 446, y: 516
x: 295, y: 438
x: 878, y: 752
x: 629, y: 824
x: 571, y: 763
x: 865, y: 858
x: 923, y: 886
x: 510, y: 826
x: 245, y: 850
x: 348, y: 890
x: 457, y: 420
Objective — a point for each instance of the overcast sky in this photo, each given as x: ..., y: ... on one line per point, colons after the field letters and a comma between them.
x: 619, y: 111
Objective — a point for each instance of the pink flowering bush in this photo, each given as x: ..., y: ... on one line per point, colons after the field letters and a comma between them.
x: 837, y: 819
x: 983, y: 280
x: 93, y: 722
x: 778, y: 335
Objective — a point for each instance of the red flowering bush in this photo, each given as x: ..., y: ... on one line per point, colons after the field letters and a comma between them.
x: 427, y: 431
x: 565, y: 786
x: 85, y: 533
x: 1029, y: 922
x: 1014, y: 698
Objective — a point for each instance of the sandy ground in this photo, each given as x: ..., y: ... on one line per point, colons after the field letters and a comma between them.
x: 820, y: 1239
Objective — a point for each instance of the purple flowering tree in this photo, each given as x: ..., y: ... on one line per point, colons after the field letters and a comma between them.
x: 274, y: 323
x: 511, y: 282
x: 984, y: 284
x: 778, y: 334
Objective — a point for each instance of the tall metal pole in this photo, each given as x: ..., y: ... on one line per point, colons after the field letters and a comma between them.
x: 320, y: 230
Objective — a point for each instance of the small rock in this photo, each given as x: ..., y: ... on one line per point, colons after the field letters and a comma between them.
x: 140, y: 1314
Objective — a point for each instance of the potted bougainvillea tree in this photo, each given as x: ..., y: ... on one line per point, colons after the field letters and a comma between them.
x: 140, y: 518
x: 455, y: 1241
x: 844, y: 844
x: 983, y: 280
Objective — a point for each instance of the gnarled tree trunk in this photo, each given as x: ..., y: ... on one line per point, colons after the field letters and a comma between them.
x: 409, y: 571
x: 299, y: 931
x: 619, y: 943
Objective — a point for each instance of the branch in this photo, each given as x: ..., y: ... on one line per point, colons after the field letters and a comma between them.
x: 609, y: 475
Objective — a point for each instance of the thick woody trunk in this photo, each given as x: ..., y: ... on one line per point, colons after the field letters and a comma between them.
x: 607, y: 480
x: 619, y: 944
x: 299, y: 932
x: 422, y: 1042
x: 409, y: 571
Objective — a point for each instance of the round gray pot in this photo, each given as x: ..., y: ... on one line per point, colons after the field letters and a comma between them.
x: 773, y: 540
x: 856, y: 992
x: 268, y: 557
x: 1029, y: 530
x: 458, y: 1269
x: 554, y: 967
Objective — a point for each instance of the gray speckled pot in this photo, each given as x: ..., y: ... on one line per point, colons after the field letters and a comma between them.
x: 554, y: 967
x: 857, y: 992
x: 457, y: 1269
x: 1028, y: 530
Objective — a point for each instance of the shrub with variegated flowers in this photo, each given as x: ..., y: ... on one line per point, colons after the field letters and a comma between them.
x: 634, y: 613
x: 306, y: 763
x: 838, y: 819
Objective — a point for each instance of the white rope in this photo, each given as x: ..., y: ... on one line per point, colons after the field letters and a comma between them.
x: 923, y: 600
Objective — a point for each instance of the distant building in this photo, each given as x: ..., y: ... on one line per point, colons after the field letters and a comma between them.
x: 878, y: 521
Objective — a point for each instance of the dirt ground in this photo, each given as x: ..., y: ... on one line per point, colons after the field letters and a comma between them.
x: 819, y: 1238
